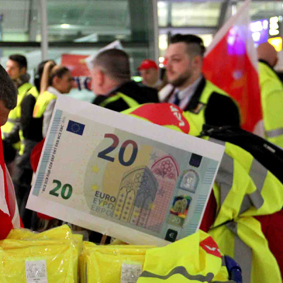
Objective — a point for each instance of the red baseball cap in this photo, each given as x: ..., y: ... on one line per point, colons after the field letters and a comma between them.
x: 147, y: 64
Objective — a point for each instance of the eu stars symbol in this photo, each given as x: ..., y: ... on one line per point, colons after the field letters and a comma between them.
x: 75, y: 127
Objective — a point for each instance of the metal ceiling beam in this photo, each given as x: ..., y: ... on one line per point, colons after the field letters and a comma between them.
x: 153, y: 30
x: 195, y: 1
x: 73, y: 45
x: 33, y: 19
x: 44, y: 29
x: 188, y: 29
x: 203, y: 1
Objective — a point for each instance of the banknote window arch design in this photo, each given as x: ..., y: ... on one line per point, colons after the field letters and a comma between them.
x: 136, y: 195
x: 166, y: 172
x: 189, y: 181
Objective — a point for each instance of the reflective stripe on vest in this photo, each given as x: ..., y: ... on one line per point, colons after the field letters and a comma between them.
x: 11, y: 120
x: 274, y: 133
x: 195, y: 258
x: 258, y: 174
x: 182, y: 271
x: 225, y: 179
x: 225, y: 176
x: 130, y: 101
x: 243, y: 254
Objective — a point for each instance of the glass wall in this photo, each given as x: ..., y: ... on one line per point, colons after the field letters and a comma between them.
x: 192, y: 17
x: 203, y: 14
x: 77, y: 27
x: 205, y: 17
x: 19, y: 21
x: 85, y: 26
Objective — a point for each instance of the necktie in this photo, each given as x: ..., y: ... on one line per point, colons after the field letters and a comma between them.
x: 176, y: 99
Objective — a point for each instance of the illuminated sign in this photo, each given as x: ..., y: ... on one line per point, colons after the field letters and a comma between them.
x: 276, y: 42
x: 259, y: 31
x: 274, y: 25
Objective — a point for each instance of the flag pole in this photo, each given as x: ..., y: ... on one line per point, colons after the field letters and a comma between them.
x: 219, y: 35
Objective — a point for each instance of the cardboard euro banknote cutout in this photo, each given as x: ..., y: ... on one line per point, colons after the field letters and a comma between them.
x: 121, y: 176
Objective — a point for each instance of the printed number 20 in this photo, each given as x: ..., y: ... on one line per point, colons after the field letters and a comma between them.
x: 113, y: 146
x: 66, y: 191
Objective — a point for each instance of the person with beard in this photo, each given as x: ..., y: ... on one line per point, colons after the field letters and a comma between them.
x: 16, y: 68
x: 204, y: 102
x: 111, y: 82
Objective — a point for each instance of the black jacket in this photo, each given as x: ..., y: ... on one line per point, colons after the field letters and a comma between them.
x: 141, y: 94
x: 220, y: 110
x: 32, y: 131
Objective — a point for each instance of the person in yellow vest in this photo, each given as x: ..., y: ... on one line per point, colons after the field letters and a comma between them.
x: 271, y: 94
x: 244, y: 213
x: 16, y: 67
x: 111, y: 82
x: 203, y: 101
x: 56, y: 80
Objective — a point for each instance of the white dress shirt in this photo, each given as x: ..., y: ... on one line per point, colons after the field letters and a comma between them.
x: 186, y: 94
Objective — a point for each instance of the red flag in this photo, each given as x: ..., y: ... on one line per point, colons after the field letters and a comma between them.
x: 78, y: 67
x: 9, y: 214
x: 231, y: 64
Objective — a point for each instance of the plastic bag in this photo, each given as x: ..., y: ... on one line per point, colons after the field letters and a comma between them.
x: 58, y: 235
x: 96, y: 260
x: 41, y: 260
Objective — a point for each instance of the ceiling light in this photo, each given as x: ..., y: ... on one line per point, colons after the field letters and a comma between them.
x: 65, y: 26
x: 161, y: 4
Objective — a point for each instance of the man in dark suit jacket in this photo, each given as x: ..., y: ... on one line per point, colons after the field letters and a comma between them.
x: 204, y: 102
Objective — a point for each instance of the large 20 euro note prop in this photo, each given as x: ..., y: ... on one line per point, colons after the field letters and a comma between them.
x: 121, y: 176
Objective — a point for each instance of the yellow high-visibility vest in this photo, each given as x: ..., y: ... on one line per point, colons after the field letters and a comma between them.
x: 195, y: 258
x: 198, y: 118
x: 130, y: 101
x: 15, y: 114
x: 34, y: 92
x: 243, y: 189
x: 272, y: 103
x: 42, y: 102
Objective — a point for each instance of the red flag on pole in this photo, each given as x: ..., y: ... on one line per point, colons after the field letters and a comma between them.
x: 231, y: 64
